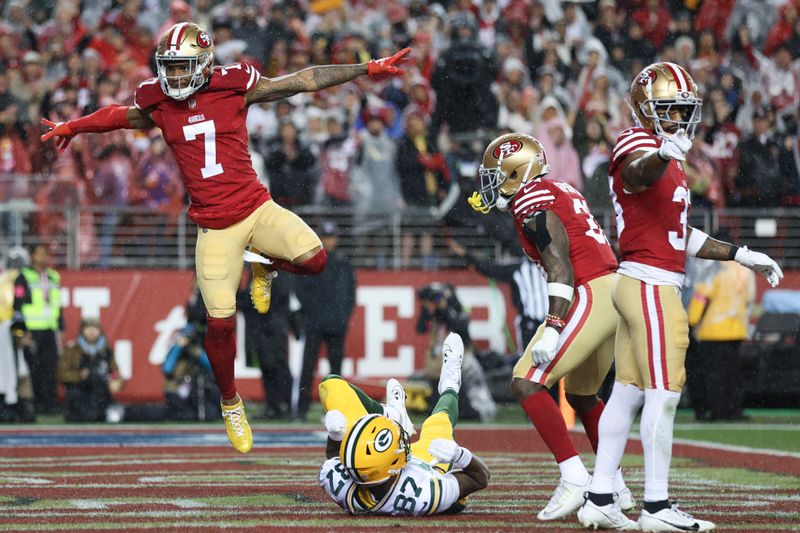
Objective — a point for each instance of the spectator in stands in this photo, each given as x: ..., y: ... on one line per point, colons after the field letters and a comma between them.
x: 90, y: 375
x: 37, y: 295
x: 336, y: 163
x: 110, y: 188
x: 719, y: 313
x: 424, y: 179
x: 290, y: 166
x: 464, y: 73
x: 765, y: 165
x: 327, y: 301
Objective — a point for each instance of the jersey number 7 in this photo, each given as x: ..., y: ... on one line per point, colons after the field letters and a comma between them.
x: 205, y: 128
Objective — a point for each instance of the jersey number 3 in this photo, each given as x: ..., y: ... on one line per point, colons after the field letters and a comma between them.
x: 678, y: 241
x: 206, y: 129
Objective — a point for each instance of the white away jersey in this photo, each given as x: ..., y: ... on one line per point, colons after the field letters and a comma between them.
x: 418, y: 490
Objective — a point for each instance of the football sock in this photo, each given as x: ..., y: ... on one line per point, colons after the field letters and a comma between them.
x: 371, y: 406
x: 548, y: 421
x: 654, y: 507
x: 619, y: 482
x: 311, y: 267
x: 658, y: 417
x: 573, y: 470
x: 590, y: 419
x: 220, y: 347
x: 600, y: 499
x: 448, y: 402
x: 613, y: 428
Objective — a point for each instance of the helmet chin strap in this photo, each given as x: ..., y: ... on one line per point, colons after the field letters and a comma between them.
x: 502, y: 203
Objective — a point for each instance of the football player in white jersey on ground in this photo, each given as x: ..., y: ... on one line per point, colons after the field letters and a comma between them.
x: 651, y: 199
x: 372, y: 468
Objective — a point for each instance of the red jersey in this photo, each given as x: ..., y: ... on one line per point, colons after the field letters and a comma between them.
x: 651, y: 224
x: 207, y: 133
x: 589, y: 252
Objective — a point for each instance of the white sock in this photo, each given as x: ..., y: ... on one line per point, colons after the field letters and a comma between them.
x: 615, y: 423
x: 619, y: 482
x: 658, y: 417
x: 573, y: 471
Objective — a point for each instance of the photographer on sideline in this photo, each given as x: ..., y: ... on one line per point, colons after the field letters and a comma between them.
x: 440, y: 313
x: 189, y: 389
x: 90, y: 375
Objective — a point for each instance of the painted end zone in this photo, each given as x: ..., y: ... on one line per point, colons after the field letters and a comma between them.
x: 159, y: 479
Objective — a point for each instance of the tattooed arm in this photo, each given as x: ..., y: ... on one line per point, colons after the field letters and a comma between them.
x: 307, y: 80
x: 316, y: 78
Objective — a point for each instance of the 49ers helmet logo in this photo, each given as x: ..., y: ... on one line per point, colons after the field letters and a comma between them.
x: 647, y: 76
x: 203, y: 40
x: 506, y: 149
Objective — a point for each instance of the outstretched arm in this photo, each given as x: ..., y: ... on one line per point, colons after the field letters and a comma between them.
x: 700, y: 245
x: 319, y: 77
x: 109, y: 118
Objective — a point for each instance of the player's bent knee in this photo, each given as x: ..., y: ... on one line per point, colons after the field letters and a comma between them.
x: 313, y: 262
x: 522, y: 388
x: 581, y: 403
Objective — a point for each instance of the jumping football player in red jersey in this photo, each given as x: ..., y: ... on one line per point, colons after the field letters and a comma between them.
x: 201, y: 110
x: 576, y: 342
x: 651, y: 200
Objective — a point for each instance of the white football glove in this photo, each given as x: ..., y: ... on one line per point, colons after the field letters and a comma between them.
x: 336, y: 424
x: 675, y: 146
x: 761, y: 263
x: 448, y: 451
x: 544, y: 349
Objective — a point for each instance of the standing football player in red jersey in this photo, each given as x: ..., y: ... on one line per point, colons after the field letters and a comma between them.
x: 651, y: 200
x: 201, y: 110
x: 557, y: 230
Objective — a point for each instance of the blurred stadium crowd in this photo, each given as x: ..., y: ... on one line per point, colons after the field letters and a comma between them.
x: 559, y: 70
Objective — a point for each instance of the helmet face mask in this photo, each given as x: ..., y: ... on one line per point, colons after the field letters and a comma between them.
x: 374, y: 450
x: 184, y: 56
x: 664, y: 99
x: 509, y: 162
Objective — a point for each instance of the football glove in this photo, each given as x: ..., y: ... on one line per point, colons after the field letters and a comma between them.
x: 62, y: 131
x: 544, y: 349
x: 379, y: 69
x: 336, y: 424
x: 761, y: 263
x: 675, y: 146
x: 448, y: 451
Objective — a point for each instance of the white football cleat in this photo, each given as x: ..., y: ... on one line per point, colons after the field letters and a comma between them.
x: 608, y: 516
x: 396, y: 406
x: 625, y: 499
x: 672, y: 519
x: 566, y: 499
x: 452, y: 357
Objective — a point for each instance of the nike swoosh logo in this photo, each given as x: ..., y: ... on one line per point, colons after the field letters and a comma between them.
x: 693, y: 527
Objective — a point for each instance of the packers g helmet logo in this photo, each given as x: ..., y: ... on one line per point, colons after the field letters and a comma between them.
x: 383, y: 441
x: 506, y: 149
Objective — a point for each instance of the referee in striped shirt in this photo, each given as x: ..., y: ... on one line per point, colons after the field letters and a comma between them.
x: 528, y: 289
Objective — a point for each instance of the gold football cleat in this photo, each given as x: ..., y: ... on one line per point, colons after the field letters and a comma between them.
x: 261, y: 288
x: 236, y: 425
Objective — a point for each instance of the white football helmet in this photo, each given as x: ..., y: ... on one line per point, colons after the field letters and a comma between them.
x: 184, y: 58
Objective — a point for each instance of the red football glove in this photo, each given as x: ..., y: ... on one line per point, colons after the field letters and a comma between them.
x: 379, y: 69
x: 61, y: 130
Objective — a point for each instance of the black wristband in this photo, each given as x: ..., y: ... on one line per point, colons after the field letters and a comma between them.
x: 732, y: 252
